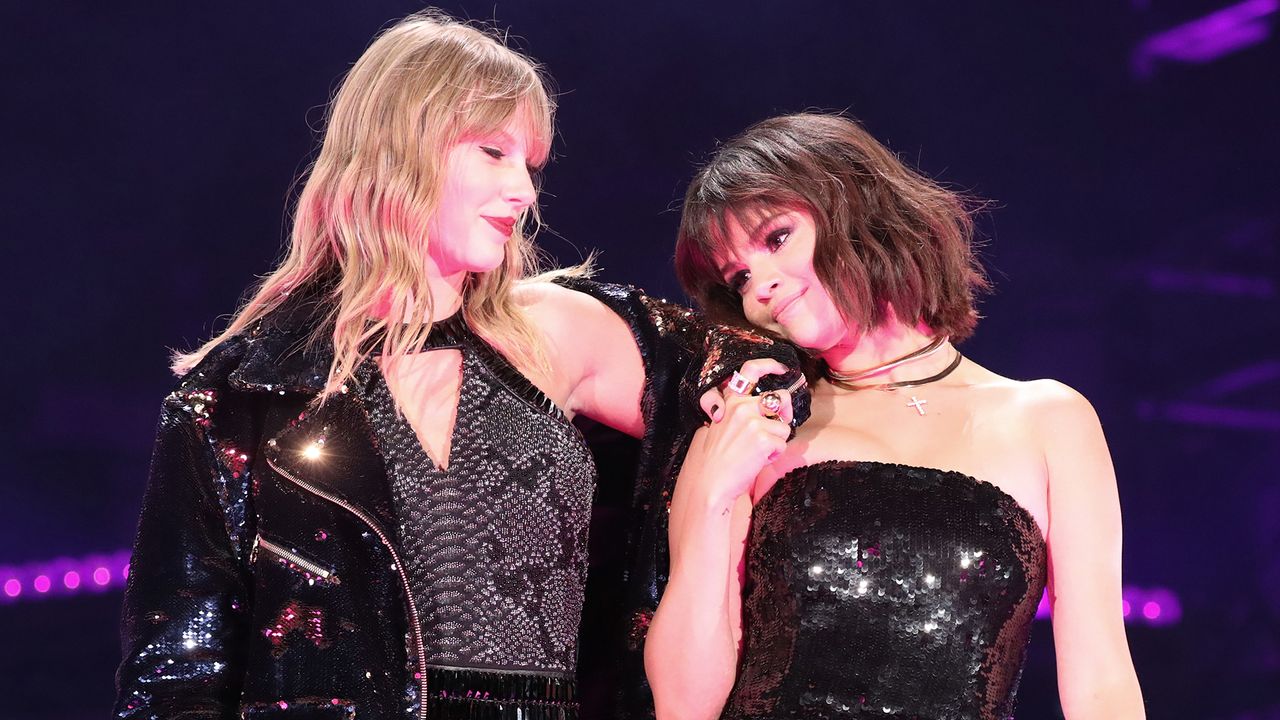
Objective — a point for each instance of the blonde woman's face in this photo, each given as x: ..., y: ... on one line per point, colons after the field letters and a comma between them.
x: 770, y: 265
x: 486, y: 186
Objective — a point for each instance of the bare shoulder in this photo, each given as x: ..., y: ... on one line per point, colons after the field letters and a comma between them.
x: 556, y: 307
x: 1047, y: 395
x: 1060, y: 421
x: 581, y: 329
x: 1045, y: 413
x: 1042, y: 403
x: 1055, y: 407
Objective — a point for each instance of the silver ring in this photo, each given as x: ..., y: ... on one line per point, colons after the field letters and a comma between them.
x: 740, y: 384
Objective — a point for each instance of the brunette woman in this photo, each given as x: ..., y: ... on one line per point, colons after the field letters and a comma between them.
x: 897, y: 548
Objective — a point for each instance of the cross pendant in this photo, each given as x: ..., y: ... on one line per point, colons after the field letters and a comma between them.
x: 917, y: 404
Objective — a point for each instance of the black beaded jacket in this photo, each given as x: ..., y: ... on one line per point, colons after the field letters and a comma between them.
x: 263, y: 585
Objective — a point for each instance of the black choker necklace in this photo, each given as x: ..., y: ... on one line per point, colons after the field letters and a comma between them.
x: 846, y: 381
x: 847, y: 378
x: 955, y: 363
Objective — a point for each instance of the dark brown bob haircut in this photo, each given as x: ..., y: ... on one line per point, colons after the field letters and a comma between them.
x: 886, y: 235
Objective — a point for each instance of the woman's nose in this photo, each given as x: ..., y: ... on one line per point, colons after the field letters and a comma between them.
x: 766, y: 287
x: 520, y: 191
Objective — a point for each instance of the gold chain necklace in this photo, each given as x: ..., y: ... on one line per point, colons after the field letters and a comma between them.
x: 934, y: 346
x: 846, y: 380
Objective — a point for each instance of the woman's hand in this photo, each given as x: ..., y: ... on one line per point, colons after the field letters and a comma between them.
x: 742, y: 437
x: 713, y: 400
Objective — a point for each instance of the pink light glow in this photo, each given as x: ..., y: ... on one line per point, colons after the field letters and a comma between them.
x: 64, y: 576
x: 1154, y: 606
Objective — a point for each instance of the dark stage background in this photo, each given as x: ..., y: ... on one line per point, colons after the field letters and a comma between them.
x: 1131, y: 149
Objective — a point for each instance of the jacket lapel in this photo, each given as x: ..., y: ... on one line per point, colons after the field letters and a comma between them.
x: 331, y: 451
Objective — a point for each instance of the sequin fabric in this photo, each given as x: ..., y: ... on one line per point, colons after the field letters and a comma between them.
x: 683, y: 355
x: 886, y: 591
x: 244, y: 457
x: 495, y: 545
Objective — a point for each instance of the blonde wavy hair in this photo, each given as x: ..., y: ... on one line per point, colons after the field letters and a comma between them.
x: 359, y: 229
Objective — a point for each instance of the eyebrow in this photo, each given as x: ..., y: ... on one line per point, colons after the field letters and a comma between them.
x: 496, y: 135
x: 754, y: 235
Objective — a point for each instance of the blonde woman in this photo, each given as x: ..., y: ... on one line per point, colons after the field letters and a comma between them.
x: 366, y: 498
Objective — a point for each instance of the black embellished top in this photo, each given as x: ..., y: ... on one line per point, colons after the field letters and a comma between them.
x: 495, y: 546
x: 886, y: 591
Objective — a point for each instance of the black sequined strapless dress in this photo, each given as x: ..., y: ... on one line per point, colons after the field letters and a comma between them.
x: 886, y: 591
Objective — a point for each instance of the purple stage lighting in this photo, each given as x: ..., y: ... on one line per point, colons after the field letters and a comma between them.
x: 1213, y: 36
x: 1190, y: 413
x: 1146, y: 606
x: 1149, y: 606
x: 1199, y: 282
x: 62, y: 577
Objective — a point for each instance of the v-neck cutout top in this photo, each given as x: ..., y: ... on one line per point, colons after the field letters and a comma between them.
x: 496, y: 545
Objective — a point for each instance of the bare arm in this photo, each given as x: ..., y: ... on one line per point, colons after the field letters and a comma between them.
x: 613, y: 347
x: 1096, y: 678
x: 596, y: 368
x: 691, y: 651
x: 612, y: 379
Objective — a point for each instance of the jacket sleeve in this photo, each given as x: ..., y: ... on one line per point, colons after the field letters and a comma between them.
x: 683, y: 356
x: 184, y: 629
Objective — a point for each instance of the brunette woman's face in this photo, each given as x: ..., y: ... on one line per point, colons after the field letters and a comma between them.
x: 770, y: 265
x: 486, y: 185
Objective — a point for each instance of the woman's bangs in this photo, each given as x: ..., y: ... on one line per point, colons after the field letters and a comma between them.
x: 705, y: 243
x: 518, y: 99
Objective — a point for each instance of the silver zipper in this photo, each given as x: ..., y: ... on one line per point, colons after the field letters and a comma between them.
x: 415, y: 626
x: 294, y: 558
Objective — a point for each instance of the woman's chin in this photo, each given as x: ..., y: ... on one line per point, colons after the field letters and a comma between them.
x: 796, y: 335
x: 812, y: 342
x: 480, y: 266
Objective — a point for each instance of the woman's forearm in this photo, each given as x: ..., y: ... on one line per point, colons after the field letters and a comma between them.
x: 1121, y: 700
x: 690, y: 653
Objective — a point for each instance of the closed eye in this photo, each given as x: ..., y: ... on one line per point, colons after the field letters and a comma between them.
x: 493, y: 152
